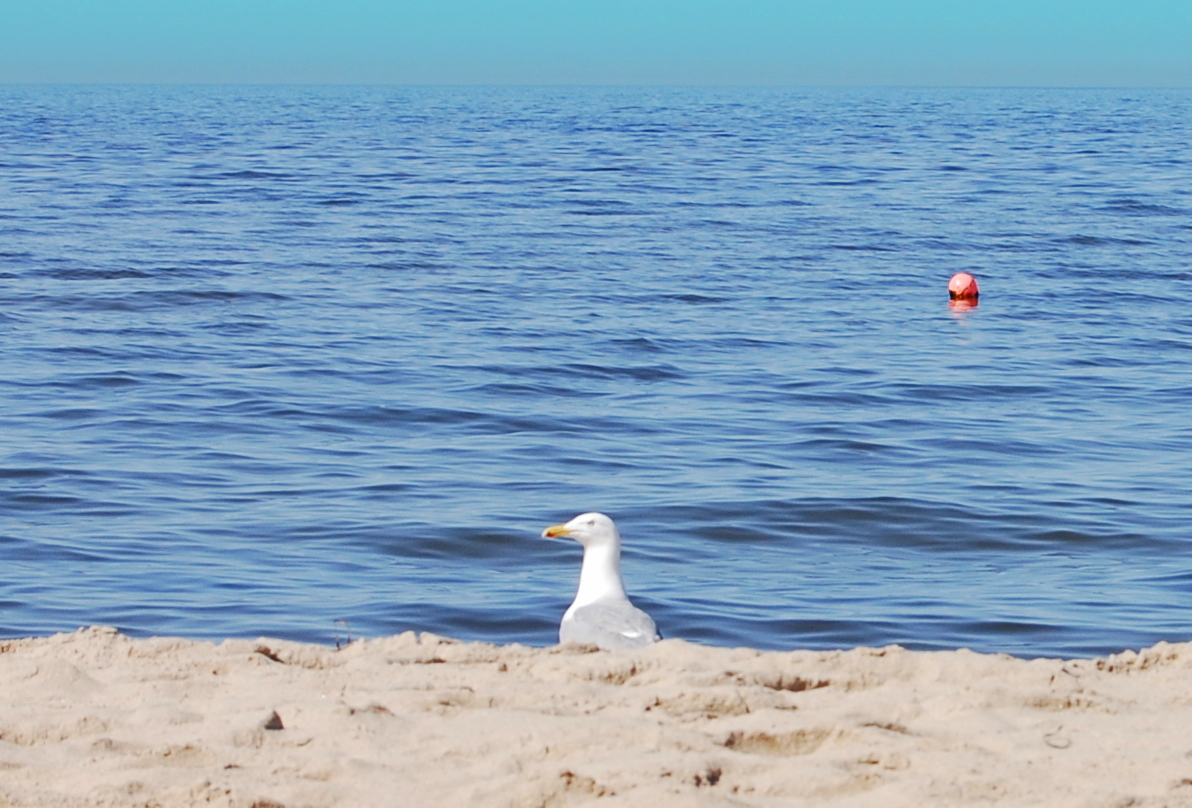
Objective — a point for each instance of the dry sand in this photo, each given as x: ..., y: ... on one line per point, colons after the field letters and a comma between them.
x: 97, y: 719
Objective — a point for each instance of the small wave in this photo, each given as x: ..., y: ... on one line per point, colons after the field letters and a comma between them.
x: 863, y: 247
x: 247, y: 174
x: 95, y: 274
x: 688, y: 297
x: 645, y: 373
x: 1101, y: 241
x: 1138, y: 208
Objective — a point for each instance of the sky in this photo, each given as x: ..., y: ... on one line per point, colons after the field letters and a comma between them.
x: 757, y: 42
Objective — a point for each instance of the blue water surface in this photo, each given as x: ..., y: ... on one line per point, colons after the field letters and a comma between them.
x: 304, y: 361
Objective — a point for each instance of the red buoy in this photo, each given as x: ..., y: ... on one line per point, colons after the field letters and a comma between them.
x: 963, y: 286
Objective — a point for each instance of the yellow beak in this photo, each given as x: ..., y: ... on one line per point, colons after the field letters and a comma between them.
x: 554, y: 531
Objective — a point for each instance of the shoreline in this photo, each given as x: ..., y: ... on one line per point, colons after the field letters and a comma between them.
x: 97, y: 718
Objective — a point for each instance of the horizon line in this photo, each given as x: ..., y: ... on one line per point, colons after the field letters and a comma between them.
x: 597, y: 85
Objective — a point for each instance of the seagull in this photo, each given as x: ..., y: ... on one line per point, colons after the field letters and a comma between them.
x: 601, y: 614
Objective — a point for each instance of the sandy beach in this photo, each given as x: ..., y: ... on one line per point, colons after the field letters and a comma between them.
x: 95, y: 718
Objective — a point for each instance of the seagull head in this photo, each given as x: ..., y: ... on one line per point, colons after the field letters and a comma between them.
x: 589, y: 529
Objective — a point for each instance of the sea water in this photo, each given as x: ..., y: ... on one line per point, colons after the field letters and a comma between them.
x: 320, y: 362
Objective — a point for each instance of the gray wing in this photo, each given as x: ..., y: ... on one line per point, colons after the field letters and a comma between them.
x: 611, y: 625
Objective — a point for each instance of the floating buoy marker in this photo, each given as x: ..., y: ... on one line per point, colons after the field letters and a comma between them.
x: 963, y: 286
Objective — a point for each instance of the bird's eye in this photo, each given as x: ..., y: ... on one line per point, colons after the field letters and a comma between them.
x: 591, y: 521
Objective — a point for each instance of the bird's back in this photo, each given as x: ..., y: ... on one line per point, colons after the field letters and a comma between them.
x: 612, y: 624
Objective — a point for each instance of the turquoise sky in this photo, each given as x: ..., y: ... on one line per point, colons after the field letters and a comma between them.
x: 932, y: 42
